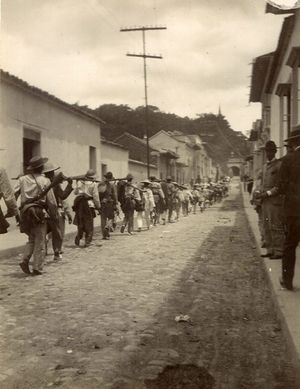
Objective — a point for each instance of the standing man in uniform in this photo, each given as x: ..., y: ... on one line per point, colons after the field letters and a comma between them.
x: 35, y: 213
x: 272, y: 204
x: 289, y: 185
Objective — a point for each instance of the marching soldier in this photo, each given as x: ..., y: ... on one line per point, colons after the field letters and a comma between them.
x: 34, y: 213
x: 57, y: 227
x: 159, y: 199
x: 108, y: 200
x: 128, y: 196
x: 272, y: 204
x: 170, y: 196
x: 85, y: 204
x: 148, y: 204
x: 195, y: 197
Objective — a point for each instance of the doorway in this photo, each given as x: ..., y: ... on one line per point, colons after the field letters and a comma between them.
x: 31, y: 146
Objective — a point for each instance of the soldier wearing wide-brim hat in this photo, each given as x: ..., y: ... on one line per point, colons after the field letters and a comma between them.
x: 34, y: 215
x: 289, y: 186
x: 272, y: 204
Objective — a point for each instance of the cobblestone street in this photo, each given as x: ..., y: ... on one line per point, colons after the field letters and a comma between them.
x: 104, y: 317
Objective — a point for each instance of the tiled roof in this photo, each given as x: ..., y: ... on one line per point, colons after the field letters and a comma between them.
x: 13, y: 80
x: 108, y: 142
x: 137, y: 148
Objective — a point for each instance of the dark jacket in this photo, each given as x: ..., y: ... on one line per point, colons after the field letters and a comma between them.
x: 61, y: 194
x: 289, y: 183
x: 270, y: 177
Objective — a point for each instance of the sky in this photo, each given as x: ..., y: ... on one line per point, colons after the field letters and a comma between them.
x: 74, y: 49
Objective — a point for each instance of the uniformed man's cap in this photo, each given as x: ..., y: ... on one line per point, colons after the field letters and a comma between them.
x: 169, y: 178
x: 294, y: 134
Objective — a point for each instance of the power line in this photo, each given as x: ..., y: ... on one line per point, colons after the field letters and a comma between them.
x: 143, y: 29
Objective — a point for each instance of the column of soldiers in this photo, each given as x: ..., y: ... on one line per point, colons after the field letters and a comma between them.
x: 44, y: 206
x: 277, y: 201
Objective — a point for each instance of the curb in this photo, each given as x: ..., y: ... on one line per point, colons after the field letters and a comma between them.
x: 280, y: 314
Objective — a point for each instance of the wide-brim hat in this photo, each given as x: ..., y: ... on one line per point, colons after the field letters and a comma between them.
x: 294, y: 134
x: 90, y: 173
x: 109, y: 175
x: 129, y: 177
x: 146, y: 181
x: 49, y: 167
x: 36, y: 162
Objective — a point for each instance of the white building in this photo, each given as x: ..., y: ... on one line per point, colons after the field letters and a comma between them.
x: 33, y: 122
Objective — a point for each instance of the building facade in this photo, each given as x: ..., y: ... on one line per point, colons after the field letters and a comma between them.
x: 192, y: 162
x: 276, y: 86
x: 33, y: 122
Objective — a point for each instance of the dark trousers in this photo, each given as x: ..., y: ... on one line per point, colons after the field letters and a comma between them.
x: 86, y: 226
x: 107, y: 218
x: 289, y: 252
x: 88, y: 229
x: 57, y: 238
x: 128, y: 219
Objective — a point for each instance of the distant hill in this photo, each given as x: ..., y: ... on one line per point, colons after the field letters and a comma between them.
x: 221, y: 140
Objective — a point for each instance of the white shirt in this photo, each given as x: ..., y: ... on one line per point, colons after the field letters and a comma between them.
x: 31, y: 185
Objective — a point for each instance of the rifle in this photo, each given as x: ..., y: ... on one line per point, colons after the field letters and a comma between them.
x: 57, y: 180
x: 83, y: 177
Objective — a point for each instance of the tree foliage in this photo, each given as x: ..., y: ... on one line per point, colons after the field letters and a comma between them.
x: 219, y: 138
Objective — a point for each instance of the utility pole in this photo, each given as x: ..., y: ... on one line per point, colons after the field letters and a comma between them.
x: 145, y: 56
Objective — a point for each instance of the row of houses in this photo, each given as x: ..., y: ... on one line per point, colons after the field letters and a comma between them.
x: 275, y: 85
x: 35, y: 122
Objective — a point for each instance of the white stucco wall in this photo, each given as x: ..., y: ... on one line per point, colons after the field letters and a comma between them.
x: 115, y: 158
x: 284, y: 76
x: 139, y: 170
x: 65, y: 136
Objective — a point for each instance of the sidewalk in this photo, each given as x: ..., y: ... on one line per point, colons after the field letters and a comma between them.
x: 13, y: 242
x: 288, y: 303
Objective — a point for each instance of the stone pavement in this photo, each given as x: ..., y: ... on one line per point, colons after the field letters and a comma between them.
x: 104, y: 317
x: 288, y: 302
x: 13, y: 242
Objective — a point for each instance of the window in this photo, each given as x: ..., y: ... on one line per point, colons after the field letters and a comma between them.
x: 294, y: 62
x: 93, y: 158
x: 31, y: 145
